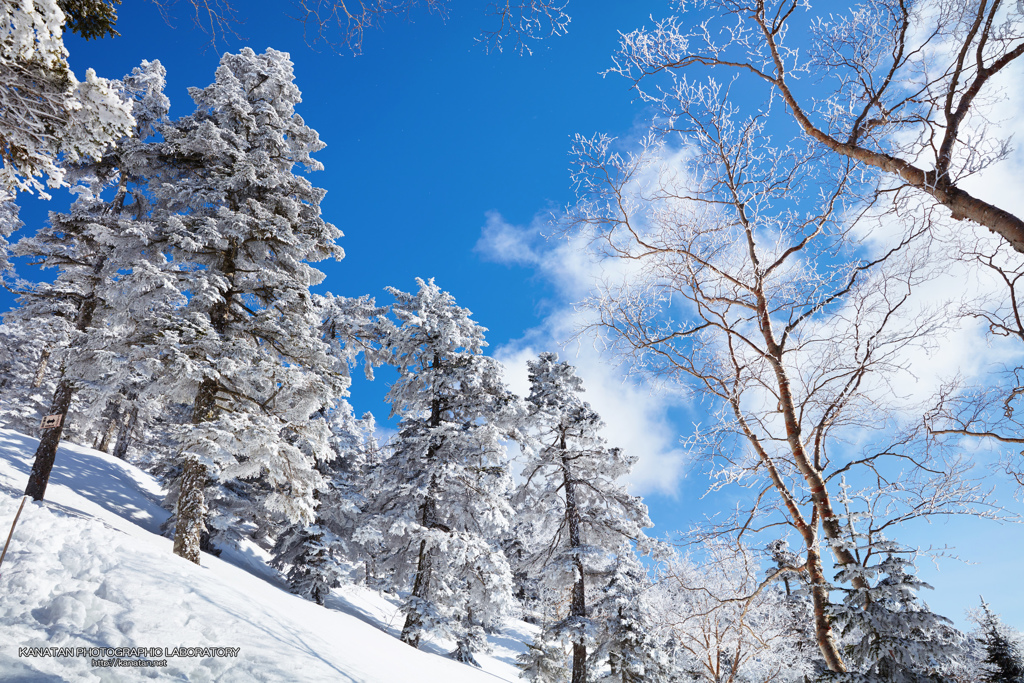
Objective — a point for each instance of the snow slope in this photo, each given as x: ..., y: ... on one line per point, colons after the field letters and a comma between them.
x: 86, y: 570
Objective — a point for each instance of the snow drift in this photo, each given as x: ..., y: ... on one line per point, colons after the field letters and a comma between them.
x: 86, y: 570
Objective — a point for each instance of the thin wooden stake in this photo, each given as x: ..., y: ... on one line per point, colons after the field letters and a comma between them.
x: 20, y: 508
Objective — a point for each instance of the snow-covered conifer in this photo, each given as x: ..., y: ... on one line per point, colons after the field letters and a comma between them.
x: 572, y: 497
x: 9, y: 224
x: 47, y: 112
x: 246, y: 351
x: 351, y: 326
x: 544, y: 661
x: 1004, y: 662
x: 626, y: 641
x: 887, y: 632
x: 890, y: 634
x: 796, y: 609
x: 316, y: 555
x: 26, y: 379
x: 439, y: 502
x: 526, y: 583
x: 99, y: 249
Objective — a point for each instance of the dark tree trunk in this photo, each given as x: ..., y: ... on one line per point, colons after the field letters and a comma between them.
x: 46, y: 453
x: 578, y: 600
x: 191, y: 510
x: 113, y: 419
x: 424, y: 563
x: 190, y: 514
x: 190, y: 526
x: 413, y: 621
x: 124, y: 433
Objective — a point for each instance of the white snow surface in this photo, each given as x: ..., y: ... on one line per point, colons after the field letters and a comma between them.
x: 87, y: 569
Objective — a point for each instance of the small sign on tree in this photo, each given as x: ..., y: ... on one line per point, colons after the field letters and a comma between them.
x: 51, y: 421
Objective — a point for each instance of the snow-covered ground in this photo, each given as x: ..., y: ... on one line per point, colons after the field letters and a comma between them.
x: 87, y: 569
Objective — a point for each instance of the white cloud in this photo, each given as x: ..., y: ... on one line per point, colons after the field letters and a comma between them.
x: 969, y: 351
x: 636, y: 417
x: 505, y: 243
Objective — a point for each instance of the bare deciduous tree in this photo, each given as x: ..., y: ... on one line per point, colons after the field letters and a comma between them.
x: 993, y: 411
x: 523, y: 21
x: 341, y: 25
x: 725, y: 622
x: 898, y: 86
x: 745, y: 285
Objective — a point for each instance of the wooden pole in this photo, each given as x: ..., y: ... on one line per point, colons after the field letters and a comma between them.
x: 20, y: 508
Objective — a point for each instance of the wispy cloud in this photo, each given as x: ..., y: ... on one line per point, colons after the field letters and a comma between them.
x: 636, y: 417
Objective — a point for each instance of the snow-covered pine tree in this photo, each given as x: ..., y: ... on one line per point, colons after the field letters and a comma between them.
x: 571, y: 494
x: 525, y: 583
x: 439, y: 502
x: 49, y: 116
x: 544, y: 660
x: 97, y: 248
x: 26, y: 380
x: 626, y: 641
x: 889, y: 634
x: 308, y: 554
x: 315, y: 556
x: 351, y: 326
x: 1004, y: 662
x: 9, y: 224
x: 246, y: 350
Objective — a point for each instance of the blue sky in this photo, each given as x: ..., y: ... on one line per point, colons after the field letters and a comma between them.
x: 434, y: 146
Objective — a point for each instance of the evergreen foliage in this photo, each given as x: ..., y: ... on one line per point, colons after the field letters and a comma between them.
x: 50, y: 118
x: 570, y: 497
x: 890, y: 634
x: 182, y: 307
x: 99, y: 250
x: 796, y: 609
x: 440, y: 501
x: 90, y: 18
x: 626, y: 642
x: 1004, y: 662
x: 545, y: 660
x: 245, y: 350
x: 316, y: 555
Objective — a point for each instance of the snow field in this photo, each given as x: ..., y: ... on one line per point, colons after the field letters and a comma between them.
x: 79, y: 574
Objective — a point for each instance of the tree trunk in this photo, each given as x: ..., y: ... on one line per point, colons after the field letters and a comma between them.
x: 414, y: 621
x: 46, y: 453
x: 578, y: 599
x: 824, y: 636
x: 106, y: 435
x: 44, y: 361
x: 818, y: 492
x: 424, y: 568
x: 189, y: 529
x: 191, y: 510
x: 124, y: 433
x: 428, y: 518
